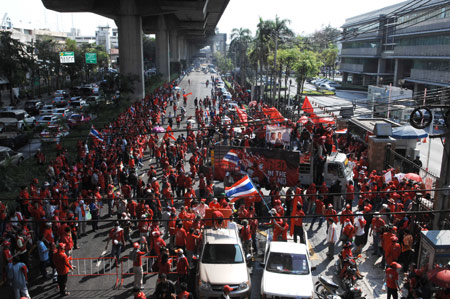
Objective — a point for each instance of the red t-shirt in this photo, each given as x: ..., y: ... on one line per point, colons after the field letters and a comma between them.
x: 138, y: 261
x: 180, y: 237
x: 391, y: 278
x: 61, y: 262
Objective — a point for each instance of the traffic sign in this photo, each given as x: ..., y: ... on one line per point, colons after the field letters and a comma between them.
x: 91, y: 58
x: 67, y: 57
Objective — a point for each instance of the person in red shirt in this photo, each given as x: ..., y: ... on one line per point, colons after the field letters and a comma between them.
x: 350, y: 193
x: 348, y: 231
x: 376, y: 228
x: 214, y: 204
x: 117, y: 238
x: 246, y: 236
x: 391, y: 280
x: 182, y: 266
x: 331, y: 213
x: 393, y: 251
x: 137, y: 255
x: 184, y: 294
x: 217, y: 218
x: 156, y: 243
x: 180, y: 237
x: 63, y: 266
x: 298, y: 224
x: 191, y: 243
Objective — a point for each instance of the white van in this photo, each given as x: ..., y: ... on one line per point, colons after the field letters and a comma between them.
x: 222, y: 262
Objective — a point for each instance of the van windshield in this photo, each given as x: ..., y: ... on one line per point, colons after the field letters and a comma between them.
x: 222, y: 254
x: 287, y: 263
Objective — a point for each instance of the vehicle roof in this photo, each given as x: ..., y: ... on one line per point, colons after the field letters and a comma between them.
x: 5, y: 149
x: 338, y: 157
x: 8, y: 120
x: 221, y: 236
x: 288, y: 247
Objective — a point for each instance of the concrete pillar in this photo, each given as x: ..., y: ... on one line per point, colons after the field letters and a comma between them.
x: 162, y: 49
x: 130, y: 46
x: 416, y: 88
x: 364, y: 79
x: 182, y: 46
x: 345, y: 78
x: 174, y: 47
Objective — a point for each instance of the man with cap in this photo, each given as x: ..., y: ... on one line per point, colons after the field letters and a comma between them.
x: 164, y: 287
x: 63, y: 266
x: 226, y: 292
x: 182, y: 266
x: 117, y: 238
x: 136, y: 256
x: 391, y: 280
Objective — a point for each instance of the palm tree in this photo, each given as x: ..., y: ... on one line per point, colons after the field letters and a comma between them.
x: 280, y: 31
x: 240, y: 38
x: 263, y: 42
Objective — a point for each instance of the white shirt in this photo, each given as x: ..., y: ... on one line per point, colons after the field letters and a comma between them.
x: 332, y: 236
x: 358, y: 227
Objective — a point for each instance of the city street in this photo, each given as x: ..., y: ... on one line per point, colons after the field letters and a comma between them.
x: 92, y: 246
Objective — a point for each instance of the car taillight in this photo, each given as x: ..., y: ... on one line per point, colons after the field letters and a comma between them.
x: 48, y: 123
x: 63, y: 115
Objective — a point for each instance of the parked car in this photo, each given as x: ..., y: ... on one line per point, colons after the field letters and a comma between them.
x: 94, y: 100
x: 222, y: 262
x: 287, y: 271
x: 62, y: 113
x: 53, y: 133
x: 326, y: 86
x: 23, y: 118
x: 10, y: 135
x: 61, y: 93
x: 46, y: 110
x: 60, y: 102
x: 9, y: 156
x: 77, y: 119
x: 47, y: 120
x: 33, y: 106
x: 77, y: 103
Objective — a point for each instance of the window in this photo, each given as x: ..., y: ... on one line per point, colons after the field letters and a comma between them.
x: 288, y: 263
x: 222, y: 254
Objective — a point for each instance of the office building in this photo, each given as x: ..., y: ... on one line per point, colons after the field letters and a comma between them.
x: 406, y: 44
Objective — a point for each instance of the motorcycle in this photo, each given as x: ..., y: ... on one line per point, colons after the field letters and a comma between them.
x: 327, y: 289
x: 349, y: 274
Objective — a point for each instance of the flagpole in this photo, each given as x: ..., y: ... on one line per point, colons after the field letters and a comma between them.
x: 259, y: 192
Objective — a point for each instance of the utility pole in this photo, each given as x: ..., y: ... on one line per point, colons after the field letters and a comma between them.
x: 441, y: 197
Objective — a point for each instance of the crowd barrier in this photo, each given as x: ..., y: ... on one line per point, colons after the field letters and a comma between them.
x: 126, y: 266
x: 91, y: 266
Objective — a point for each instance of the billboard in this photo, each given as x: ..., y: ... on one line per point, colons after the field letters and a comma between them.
x: 262, y: 165
x: 276, y: 134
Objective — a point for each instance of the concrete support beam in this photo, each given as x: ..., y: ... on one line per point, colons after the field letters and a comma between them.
x: 174, y: 46
x: 162, y: 49
x: 130, y: 46
x: 396, y: 73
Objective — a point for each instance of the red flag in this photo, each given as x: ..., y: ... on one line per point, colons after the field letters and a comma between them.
x: 169, y: 133
x: 307, y: 107
x: 188, y: 94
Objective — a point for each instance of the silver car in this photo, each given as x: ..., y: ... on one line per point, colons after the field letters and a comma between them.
x: 10, y: 157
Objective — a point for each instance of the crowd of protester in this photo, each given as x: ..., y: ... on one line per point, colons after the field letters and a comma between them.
x: 161, y: 213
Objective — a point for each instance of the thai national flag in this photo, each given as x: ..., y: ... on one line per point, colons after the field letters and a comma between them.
x: 96, y: 134
x: 132, y: 110
x: 242, y: 188
x: 231, y: 159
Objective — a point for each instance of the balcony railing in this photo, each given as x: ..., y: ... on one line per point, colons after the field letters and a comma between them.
x: 430, y: 75
x: 351, y: 67
x: 432, y: 50
x: 361, y: 51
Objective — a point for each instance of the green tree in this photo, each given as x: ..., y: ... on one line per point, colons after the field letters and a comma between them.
x: 240, y: 38
x: 47, y: 60
x: 328, y: 57
x: 279, y: 32
x: 149, y: 49
x: 322, y: 38
x: 15, y: 61
x: 307, y: 65
x: 224, y: 64
x: 288, y: 58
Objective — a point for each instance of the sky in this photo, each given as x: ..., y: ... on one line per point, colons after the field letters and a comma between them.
x: 306, y: 16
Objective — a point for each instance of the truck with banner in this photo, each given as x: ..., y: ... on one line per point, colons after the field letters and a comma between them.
x: 265, y: 166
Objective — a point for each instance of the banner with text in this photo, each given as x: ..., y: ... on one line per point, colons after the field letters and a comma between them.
x: 262, y: 165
